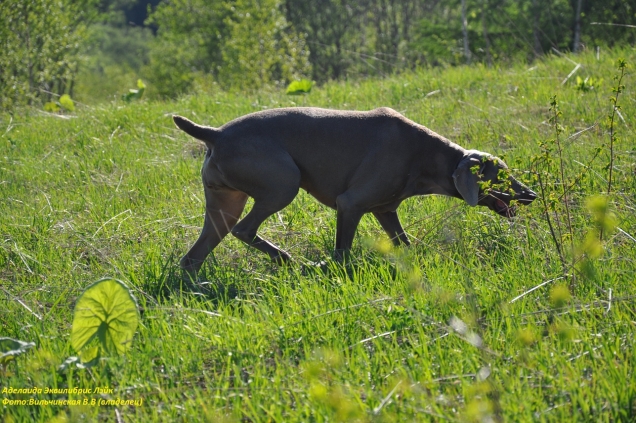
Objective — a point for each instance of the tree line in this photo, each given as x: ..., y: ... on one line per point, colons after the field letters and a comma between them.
x: 245, y: 44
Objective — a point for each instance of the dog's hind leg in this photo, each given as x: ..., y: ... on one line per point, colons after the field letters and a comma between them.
x: 222, y: 210
x: 390, y: 222
x: 246, y: 231
x: 270, y: 196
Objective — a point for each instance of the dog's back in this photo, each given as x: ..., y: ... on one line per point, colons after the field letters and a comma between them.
x: 327, y: 146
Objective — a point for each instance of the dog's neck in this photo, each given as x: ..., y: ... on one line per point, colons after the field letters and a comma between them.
x: 435, y: 176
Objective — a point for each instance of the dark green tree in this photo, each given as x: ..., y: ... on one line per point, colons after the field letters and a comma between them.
x: 39, y: 45
x: 240, y: 43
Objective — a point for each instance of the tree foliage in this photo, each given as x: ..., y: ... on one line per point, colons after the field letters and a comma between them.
x: 246, y: 44
x: 376, y: 37
x: 358, y: 38
x: 242, y: 44
x: 39, y: 42
x: 188, y: 41
x: 260, y: 47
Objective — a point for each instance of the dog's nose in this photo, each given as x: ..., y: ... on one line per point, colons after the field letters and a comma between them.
x: 527, y: 196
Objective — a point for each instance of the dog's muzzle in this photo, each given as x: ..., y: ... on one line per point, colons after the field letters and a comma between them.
x: 500, y: 202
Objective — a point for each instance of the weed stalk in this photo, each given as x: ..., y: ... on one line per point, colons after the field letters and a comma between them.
x: 546, y: 208
x: 555, y: 200
x: 557, y: 131
x: 621, y: 64
x: 615, y: 108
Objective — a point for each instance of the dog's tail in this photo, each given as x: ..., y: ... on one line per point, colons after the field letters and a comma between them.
x: 206, y: 134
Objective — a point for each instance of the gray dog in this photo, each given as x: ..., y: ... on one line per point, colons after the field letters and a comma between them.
x: 354, y: 162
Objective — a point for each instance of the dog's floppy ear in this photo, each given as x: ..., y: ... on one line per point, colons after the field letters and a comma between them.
x: 466, y: 181
x: 206, y: 134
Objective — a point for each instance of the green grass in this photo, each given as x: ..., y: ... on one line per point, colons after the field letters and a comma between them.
x: 115, y: 191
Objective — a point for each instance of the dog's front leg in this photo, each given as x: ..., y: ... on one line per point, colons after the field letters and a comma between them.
x: 349, y: 215
x: 390, y: 222
x: 222, y: 211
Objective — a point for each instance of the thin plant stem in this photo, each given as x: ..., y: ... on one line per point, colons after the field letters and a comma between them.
x: 557, y: 131
x: 542, y: 189
x: 614, y: 101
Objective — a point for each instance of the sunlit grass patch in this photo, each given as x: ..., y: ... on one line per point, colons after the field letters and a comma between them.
x: 477, y: 320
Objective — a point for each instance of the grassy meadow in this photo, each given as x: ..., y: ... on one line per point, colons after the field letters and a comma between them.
x: 481, y: 319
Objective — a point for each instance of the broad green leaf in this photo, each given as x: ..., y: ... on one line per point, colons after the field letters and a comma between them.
x: 67, y: 103
x: 89, y: 354
x: 51, y: 107
x: 135, y: 94
x: 11, y: 348
x: 106, y: 310
x: 299, y: 87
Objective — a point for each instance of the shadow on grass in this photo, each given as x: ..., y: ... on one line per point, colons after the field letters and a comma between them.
x: 214, y: 282
x: 220, y: 283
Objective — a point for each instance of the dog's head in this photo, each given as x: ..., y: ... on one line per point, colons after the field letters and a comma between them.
x: 485, y: 180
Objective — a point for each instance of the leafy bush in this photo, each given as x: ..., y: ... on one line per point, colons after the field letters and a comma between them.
x: 38, y: 55
x: 261, y: 48
x: 243, y: 44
